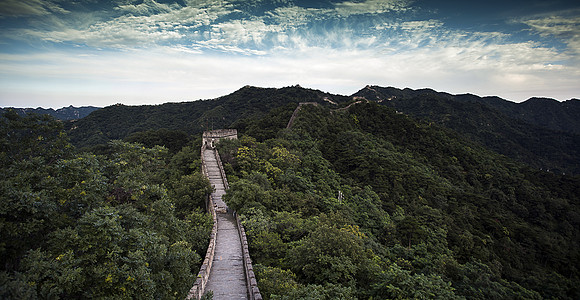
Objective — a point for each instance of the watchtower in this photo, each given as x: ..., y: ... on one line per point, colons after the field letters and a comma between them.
x: 211, y: 137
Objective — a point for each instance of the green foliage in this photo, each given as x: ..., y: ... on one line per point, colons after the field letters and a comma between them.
x: 28, y: 137
x: 78, y: 225
x: 207, y: 295
x: 190, y: 192
x: 329, y: 254
x: 173, y: 140
x: 186, y: 161
x: 396, y: 283
x: 357, y: 203
x: 368, y: 203
x: 319, y: 292
x: 275, y: 281
x: 542, y: 133
x: 244, y: 193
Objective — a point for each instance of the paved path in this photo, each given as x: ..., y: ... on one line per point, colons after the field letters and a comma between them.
x: 215, y: 178
x: 227, y: 278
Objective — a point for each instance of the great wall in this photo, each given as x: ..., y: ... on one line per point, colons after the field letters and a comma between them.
x: 227, y: 268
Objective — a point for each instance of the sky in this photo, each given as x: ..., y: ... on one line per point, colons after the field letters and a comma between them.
x: 56, y: 53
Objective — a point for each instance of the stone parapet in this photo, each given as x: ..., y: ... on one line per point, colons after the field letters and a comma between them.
x: 196, y: 292
x: 252, y: 283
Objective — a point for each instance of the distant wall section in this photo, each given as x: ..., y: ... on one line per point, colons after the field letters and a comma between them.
x: 209, y: 138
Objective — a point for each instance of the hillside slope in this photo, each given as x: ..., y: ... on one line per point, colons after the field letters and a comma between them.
x: 540, y: 132
x: 367, y: 202
x: 119, y: 121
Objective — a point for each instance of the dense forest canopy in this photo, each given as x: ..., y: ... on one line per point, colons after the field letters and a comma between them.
x: 120, y: 121
x: 367, y: 202
x: 65, y: 113
x: 75, y: 225
x: 540, y: 132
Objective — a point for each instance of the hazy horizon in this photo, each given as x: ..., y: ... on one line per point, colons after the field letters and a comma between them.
x: 161, y: 103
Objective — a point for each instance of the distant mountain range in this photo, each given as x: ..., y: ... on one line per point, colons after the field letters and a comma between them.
x: 65, y: 113
x: 542, y: 112
x: 541, y: 132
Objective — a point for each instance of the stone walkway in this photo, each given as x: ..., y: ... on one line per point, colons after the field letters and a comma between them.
x: 227, y: 278
x: 215, y: 178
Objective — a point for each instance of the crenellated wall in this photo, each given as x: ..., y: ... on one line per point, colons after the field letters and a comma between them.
x: 252, y: 283
x: 295, y: 113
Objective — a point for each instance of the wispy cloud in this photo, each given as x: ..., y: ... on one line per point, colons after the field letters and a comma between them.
x: 146, y: 24
x: 148, y: 7
x: 201, y: 49
x: 348, y: 8
x: 564, y: 27
x: 17, y: 8
x: 209, y: 23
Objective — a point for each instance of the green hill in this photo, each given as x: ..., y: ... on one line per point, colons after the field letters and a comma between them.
x: 367, y: 202
x: 543, y: 133
x: 120, y: 121
x: 74, y: 225
x: 65, y: 113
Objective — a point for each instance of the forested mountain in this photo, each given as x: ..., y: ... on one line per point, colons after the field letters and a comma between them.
x: 65, y: 113
x: 398, y: 197
x: 120, y: 121
x: 542, y: 112
x: 543, y: 133
x: 540, y: 132
x: 367, y: 202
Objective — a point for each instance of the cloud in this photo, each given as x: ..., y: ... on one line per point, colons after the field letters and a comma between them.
x: 295, y: 16
x: 152, y: 52
x: 146, y: 24
x: 219, y: 25
x: 348, y: 8
x: 123, y: 32
x: 18, y: 8
x: 454, y: 64
x: 241, y: 31
x: 148, y: 7
x: 421, y: 25
x: 565, y: 28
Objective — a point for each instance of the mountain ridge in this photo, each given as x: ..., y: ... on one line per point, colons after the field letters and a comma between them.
x: 193, y: 117
x: 541, y: 132
x: 522, y: 110
x: 356, y: 200
x: 67, y: 113
x: 548, y: 143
